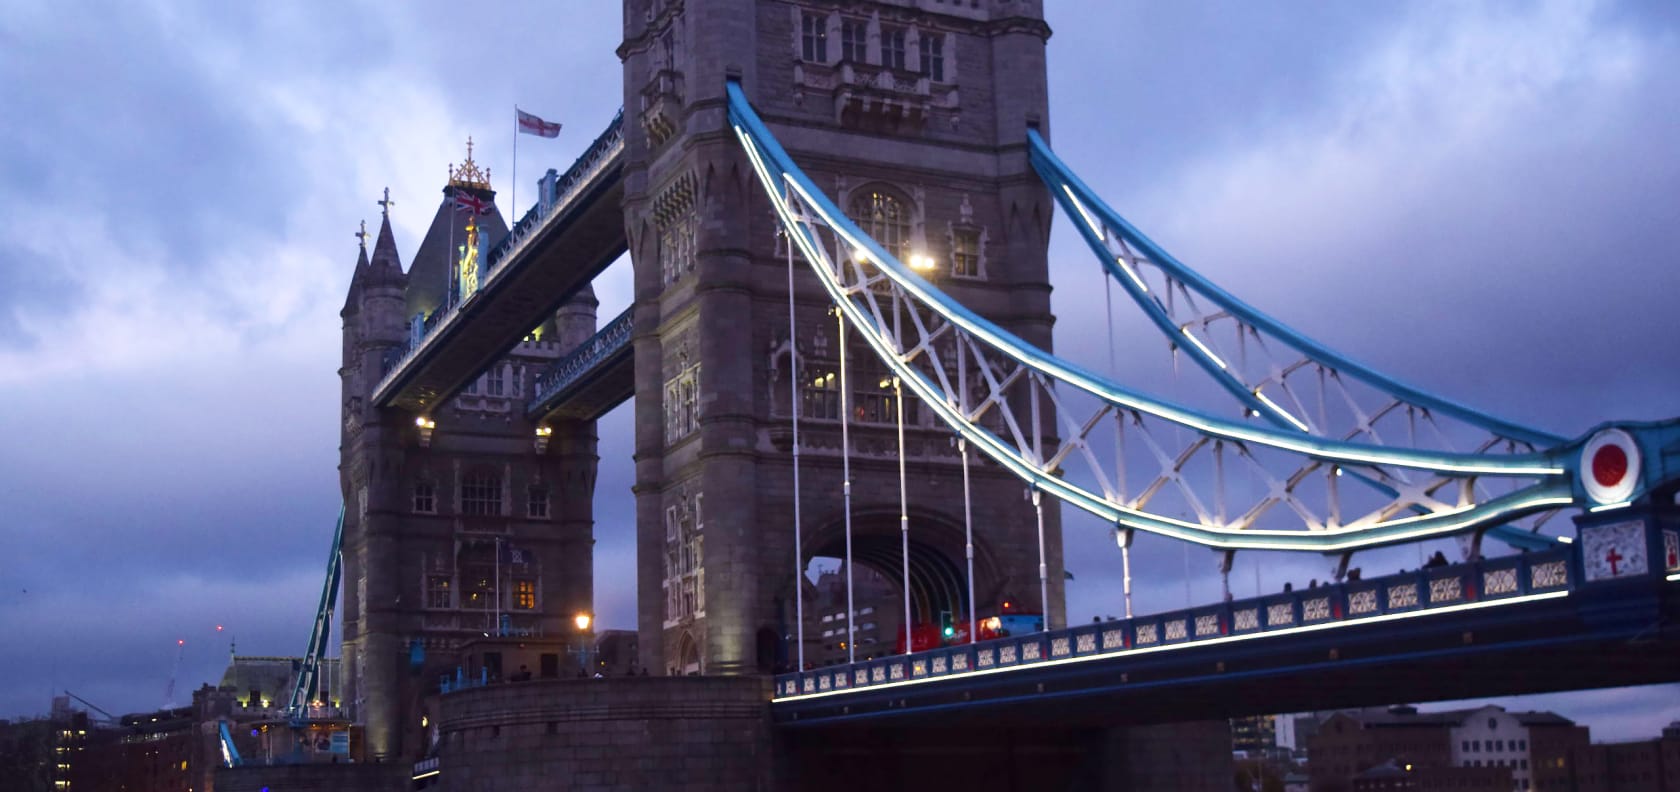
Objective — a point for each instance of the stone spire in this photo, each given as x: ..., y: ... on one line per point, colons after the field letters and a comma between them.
x: 358, y: 276
x: 386, y: 267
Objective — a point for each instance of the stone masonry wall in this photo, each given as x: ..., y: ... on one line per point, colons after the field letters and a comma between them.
x: 683, y: 733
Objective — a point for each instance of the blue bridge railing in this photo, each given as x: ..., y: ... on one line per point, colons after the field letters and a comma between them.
x: 606, y: 342
x: 1444, y: 588
x: 556, y: 195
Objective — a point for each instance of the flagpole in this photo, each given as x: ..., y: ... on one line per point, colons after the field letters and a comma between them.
x: 497, y: 623
x: 449, y: 292
x: 513, y: 200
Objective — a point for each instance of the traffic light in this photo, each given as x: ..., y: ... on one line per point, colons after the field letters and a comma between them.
x: 946, y: 628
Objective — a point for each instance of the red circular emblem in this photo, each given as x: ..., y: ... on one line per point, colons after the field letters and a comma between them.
x: 1609, y: 465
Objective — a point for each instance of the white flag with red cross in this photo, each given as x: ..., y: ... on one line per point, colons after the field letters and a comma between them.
x: 533, y: 125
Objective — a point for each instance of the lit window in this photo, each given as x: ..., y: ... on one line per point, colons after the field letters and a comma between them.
x: 481, y: 494
x: 821, y: 398
x: 814, y: 39
x: 965, y: 253
x: 537, y: 506
x: 876, y: 406
x: 892, y: 47
x: 885, y: 219
x: 525, y: 594
x: 437, y: 592
x: 933, y: 56
x: 425, y: 498
x: 853, y: 36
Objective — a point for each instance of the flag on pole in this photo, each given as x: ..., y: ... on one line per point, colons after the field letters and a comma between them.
x: 515, y: 555
x: 466, y: 201
x: 532, y: 125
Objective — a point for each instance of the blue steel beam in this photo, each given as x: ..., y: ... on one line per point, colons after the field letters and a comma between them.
x: 1080, y: 201
x: 1073, y: 195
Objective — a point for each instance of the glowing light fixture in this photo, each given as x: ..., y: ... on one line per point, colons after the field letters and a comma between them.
x: 921, y: 262
x: 541, y: 443
x: 425, y: 425
x: 582, y: 621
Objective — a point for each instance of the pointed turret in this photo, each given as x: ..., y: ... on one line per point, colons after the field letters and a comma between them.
x: 358, y: 277
x: 466, y: 196
x: 386, y: 267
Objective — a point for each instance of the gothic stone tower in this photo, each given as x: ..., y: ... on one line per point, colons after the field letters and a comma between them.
x: 471, y: 526
x: 912, y: 114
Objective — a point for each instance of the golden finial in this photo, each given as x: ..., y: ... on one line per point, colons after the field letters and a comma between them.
x: 468, y: 175
x: 362, y: 236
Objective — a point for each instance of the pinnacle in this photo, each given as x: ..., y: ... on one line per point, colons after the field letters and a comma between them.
x: 385, y: 250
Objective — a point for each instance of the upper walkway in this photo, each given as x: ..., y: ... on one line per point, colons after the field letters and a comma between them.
x: 575, y: 230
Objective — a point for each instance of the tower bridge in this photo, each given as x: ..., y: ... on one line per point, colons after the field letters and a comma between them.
x: 837, y: 219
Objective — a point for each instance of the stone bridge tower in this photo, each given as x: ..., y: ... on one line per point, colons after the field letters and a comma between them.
x: 462, y: 525
x: 912, y: 114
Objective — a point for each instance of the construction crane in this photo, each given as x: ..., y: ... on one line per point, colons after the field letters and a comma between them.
x: 92, y: 706
x: 169, y: 693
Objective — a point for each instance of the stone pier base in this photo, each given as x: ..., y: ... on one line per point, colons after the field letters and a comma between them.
x: 678, y: 733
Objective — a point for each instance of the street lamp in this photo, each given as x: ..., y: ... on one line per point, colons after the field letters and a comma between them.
x: 582, y: 620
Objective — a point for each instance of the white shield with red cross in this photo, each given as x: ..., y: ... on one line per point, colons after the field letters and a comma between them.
x: 1617, y: 550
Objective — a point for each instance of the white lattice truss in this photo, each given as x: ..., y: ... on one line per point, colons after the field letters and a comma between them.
x: 1144, y: 463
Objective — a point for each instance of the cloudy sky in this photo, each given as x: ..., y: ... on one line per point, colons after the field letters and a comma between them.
x: 1477, y: 198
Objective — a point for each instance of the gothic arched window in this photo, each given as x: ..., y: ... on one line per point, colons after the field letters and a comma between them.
x: 885, y: 217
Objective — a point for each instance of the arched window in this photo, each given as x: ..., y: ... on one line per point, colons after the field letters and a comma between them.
x: 885, y: 217
x: 481, y: 493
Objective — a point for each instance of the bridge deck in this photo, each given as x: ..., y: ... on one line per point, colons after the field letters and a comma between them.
x: 1508, y: 625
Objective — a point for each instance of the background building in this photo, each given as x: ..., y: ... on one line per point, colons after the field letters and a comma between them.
x: 1531, y: 748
